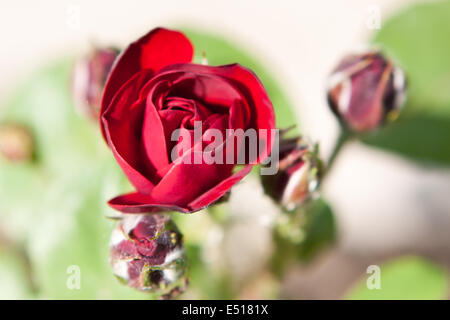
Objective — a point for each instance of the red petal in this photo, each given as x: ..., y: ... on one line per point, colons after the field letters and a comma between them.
x: 140, y: 203
x: 157, y: 49
x: 249, y: 86
x: 122, y: 131
x: 185, y: 182
x: 153, y: 136
x: 219, y: 190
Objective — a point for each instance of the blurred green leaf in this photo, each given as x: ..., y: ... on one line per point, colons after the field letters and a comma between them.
x: 418, y: 39
x: 57, y: 206
x: 406, y: 278
x: 319, y: 230
x: 13, y: 278
x: 207, y: 284
x: 303, y: 234
x: 220, y: 51
x: 43, y: 103
x: 74, y: 232
x: 21, y: 186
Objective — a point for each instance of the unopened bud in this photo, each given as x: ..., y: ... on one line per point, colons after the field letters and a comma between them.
x: 147, y: 253
x: 88, y: 80
x: 16, y: 142
x: 298, y: 175
x: 366, y: 90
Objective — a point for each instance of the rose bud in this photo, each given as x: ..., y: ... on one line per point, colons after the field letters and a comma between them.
x: 16, y: 142
x: 88, y: 80
x: 365, y: 90
x: 153, y: 91
x: 147, y: 253
x: 299, y: 170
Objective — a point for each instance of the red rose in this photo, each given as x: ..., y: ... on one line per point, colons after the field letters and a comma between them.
x: 154, y: 89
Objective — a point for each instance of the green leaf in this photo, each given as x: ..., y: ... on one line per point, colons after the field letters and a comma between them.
x: 13, y: 278
x: 423, y: 138
x: 303, y: 234
x: 19, y: 196
x: 408, y: 278
x: 56, y: 206
x: 74, y: 232
x: 320, y: 230
x: 221, y: 51
x: 64, y: 139
x: 418, y: 40
x: 207, y: 283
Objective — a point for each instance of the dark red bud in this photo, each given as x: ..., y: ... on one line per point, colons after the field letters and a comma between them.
x: 147, y: 253
x: 365, y: 90
x: 88, y: 80
x: 299, y: 170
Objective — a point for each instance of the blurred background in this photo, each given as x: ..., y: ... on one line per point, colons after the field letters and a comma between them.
x: 388, y: 201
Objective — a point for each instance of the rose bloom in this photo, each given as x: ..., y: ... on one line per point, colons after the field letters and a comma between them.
x: 154, y: 89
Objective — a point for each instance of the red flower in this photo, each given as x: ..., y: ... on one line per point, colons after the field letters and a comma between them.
x: 154, y: 89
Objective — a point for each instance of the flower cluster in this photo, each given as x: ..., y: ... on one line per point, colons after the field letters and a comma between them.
x: 160, y: 111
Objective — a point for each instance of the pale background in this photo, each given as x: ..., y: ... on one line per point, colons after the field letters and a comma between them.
x: 384, y: 203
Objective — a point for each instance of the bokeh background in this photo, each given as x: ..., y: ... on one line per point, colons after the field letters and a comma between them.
x: 388, y: 201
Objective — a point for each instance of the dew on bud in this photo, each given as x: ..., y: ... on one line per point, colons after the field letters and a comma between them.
x: 299, y: 170
x: 366, y: 90
x: 16, y: 142
x: 88, y: 80
x: 147, y: 254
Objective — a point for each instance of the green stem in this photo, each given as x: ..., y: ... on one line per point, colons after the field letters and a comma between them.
x: 344, y: 136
